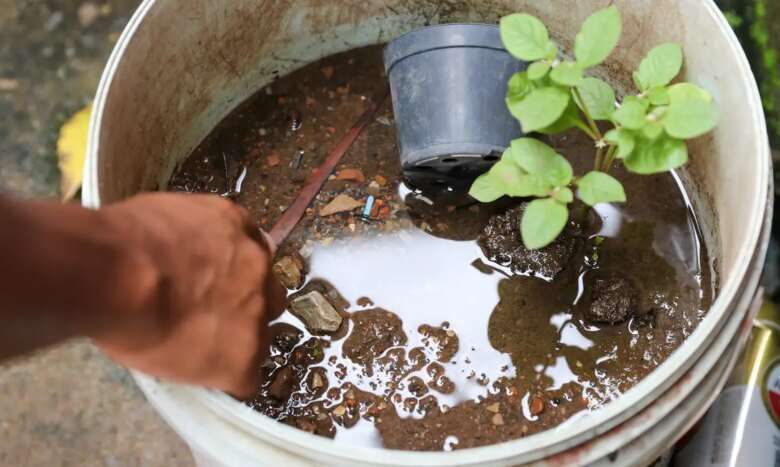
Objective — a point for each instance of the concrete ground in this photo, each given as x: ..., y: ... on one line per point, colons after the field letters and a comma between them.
x: 67, y: 406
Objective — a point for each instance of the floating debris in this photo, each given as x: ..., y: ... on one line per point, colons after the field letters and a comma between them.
x: 296, y: 121
x: 341, y: 203
x: 366, y: 216
x: 298, y: 159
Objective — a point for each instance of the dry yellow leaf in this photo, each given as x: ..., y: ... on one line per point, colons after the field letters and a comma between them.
x: 71, y: 152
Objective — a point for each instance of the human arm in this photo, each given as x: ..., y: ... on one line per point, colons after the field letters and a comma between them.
x: 177, y: 286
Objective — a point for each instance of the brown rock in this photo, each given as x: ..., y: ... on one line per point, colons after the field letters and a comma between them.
x: 291, y: 271
x: 272, y: 160
x: 493, y: 407
x: 7, y: 84
x: 284, y: 381
x: 327, y: 72
x: 316, y: 312
x: 537, y: 406
x: 497, y: 419
x: 341, y: 203
x: 353, y: 175
x: 382, y: 181
x: 373, y: 188
x: 88, y: 13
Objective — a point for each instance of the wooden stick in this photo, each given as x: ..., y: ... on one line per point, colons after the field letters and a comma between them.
x: 314, y: 183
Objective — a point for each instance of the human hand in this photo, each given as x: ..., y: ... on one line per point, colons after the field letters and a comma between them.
x: 197, y: 291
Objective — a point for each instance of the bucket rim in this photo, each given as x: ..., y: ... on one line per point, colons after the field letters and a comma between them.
x: 564, y: 437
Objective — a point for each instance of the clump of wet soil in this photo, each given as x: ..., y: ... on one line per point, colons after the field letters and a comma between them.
x: 502, y: 243
x: 452, y: 334
x: 613, y: 300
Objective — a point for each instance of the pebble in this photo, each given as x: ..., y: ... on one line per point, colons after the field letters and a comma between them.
x: 354, y: 175
x: 316, y: 381
x: 327, y: 71
x: 497, y: 419
x: 380, y: 180
x: 537, y: 406
x: 316, y: 312
x: 88, y: 12
x: 7, y: 84
x: 272, y: 160
x: 384, y: 120
x: 339, y: 411
x: 373, y: 188
x: 289, y: 270
x: 493, y: 407
x: 341, y: 203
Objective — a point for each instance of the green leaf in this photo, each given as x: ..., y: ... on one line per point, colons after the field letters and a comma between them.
x: 659, y: 67
x: 538, y: 70
x: 567, y: 74
x: 653, y: 130
x: 530, y: 185
x: 541, y: 108
x: 658, y: 96
x: 598, y: 98
x: 624, y: 140
x: 631, y: 114
x: 691, y: 113
x: 525, y: 37
x: 598, y: 37
x: 543, y: 221
x: 563, y: 195
x: 486, y: 189
x: 506, y: 174
x: 519, y: 86
x: 552, y: 51
x: 569, y: 119
x: 512, y: 180
x: 657, y: 156
x: 541, y: 160
x: 598, y: 187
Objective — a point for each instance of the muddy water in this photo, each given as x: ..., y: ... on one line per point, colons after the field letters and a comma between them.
x: 440, y: 348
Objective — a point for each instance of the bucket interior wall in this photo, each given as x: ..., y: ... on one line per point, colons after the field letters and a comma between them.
x: 192, y: 61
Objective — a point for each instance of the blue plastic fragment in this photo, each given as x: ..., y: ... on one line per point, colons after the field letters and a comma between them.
x: 367, y: 209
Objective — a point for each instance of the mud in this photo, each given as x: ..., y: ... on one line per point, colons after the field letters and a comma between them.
x: 453, y: 336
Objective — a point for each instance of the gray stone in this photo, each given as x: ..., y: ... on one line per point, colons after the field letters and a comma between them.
x: 316, y: 312
x: 290, y: 271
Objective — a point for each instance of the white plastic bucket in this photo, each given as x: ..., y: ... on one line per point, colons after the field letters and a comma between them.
x: 182, y: 65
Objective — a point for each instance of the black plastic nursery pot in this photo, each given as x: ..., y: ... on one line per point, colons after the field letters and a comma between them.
x: 448, y: 85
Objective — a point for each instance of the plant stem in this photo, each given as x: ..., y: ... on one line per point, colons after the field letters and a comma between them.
x: 582, y: 126
x: 599, y: 157
x: 591, y: 122
x: 610, y: 158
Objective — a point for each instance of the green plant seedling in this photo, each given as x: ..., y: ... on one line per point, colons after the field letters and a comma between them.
x: 646, y: 131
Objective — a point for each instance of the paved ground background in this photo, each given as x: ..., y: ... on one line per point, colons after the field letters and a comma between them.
x: 70, y: 406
